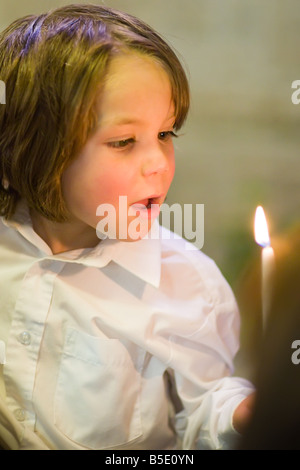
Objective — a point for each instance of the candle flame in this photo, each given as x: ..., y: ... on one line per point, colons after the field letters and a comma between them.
x: 261, y: 228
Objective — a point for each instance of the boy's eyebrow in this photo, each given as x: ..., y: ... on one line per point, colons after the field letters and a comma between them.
x: 120, y: 120
x: 123, y: 120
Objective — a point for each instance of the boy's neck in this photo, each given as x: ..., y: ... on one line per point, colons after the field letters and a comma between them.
x: 63, y: 237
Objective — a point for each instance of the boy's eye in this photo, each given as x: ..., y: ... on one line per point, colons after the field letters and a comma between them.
x: 119, y: 144
x: 166, y: 135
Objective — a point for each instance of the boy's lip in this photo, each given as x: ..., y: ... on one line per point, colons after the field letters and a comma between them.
x: 153, y: 199
x: 148, y: 208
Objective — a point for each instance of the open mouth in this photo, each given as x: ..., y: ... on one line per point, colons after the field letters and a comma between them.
x: 148, y: 202
x: 152, y: 200
x: 148, y: 207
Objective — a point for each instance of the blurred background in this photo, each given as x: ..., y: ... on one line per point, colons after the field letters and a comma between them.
x: 240, y: 144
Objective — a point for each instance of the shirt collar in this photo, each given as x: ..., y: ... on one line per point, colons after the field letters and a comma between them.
x: 142, y: 258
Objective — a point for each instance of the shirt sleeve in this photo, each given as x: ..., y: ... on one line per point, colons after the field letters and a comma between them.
x: 205, y: 383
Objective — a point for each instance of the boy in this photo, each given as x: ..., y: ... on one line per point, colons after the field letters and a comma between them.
x: 120, y: 343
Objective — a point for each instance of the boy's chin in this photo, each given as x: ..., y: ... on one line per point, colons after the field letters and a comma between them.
x: 135, y: 231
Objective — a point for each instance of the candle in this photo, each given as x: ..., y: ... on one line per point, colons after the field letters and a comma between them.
x: 267, y: 260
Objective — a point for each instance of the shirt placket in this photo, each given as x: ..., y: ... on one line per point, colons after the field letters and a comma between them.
x: 23, y: 346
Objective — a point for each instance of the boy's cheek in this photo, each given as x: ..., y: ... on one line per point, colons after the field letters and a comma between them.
x: 171, y: 173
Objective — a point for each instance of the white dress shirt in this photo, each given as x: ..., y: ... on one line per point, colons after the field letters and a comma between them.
x: 123, y: 346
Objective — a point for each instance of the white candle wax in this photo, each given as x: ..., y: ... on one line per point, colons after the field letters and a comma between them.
x: 268, y: 263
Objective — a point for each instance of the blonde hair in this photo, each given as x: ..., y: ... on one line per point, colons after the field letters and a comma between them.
x: 53, y: 66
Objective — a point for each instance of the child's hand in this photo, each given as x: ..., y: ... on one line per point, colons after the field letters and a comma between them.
x: 243, y: 413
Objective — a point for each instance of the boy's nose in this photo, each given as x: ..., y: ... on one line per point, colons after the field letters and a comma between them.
x: 156, y: 161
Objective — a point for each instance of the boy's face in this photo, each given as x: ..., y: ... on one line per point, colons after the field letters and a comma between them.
x: 131, y: 154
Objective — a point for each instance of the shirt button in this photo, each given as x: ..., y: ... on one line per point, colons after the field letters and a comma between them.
x: 25, y: 338
x: 20, y: 414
